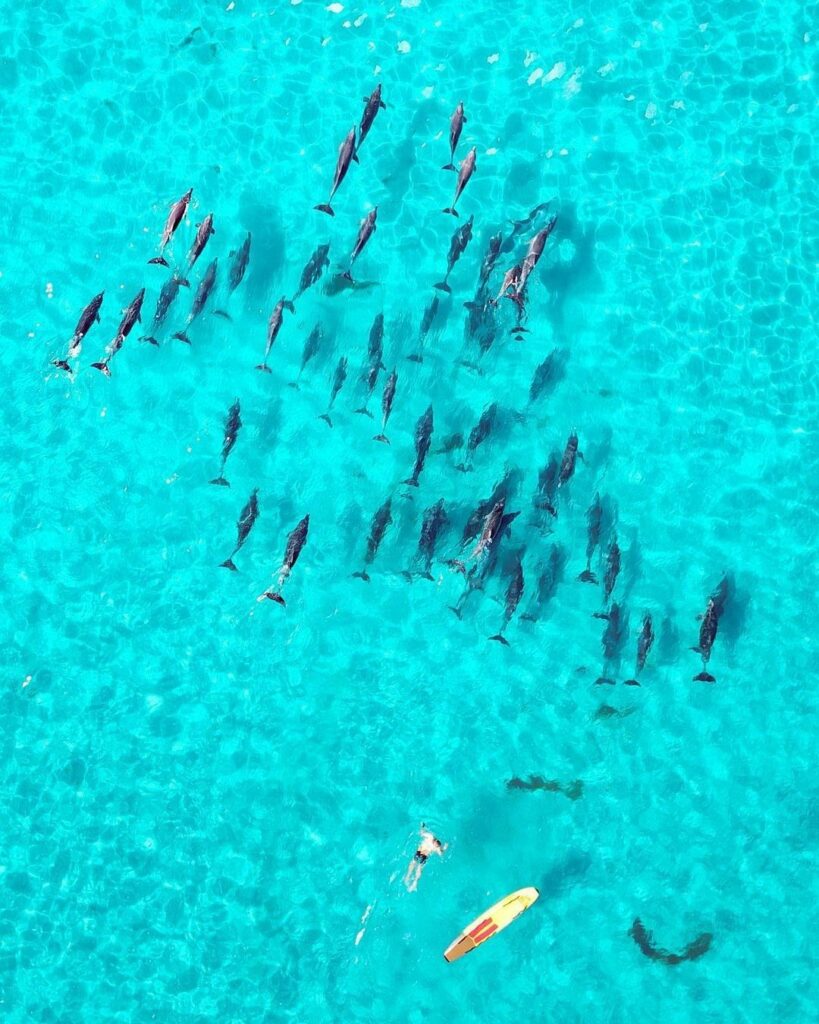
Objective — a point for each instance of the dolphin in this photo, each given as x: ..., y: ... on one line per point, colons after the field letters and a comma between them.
x: 375, y: 351
x: 460, y: 240
x: 423, y: 439
x: 273, y: 327
x: 313, y: 269
x: 130, y: 316
x: 514, y: 593
x: 233, y: 425
x: 177, y: 212
x: 466, y: 171
x: 295, y: 542
x: 346, y: 155
x: 644, y: 642
x: 435, y: 519
x: 381, y: 520
x: 365, y: 232
x: 372, y: 104
x: 478, y: 434
x: 338, y: 383
x: 89, y: 316
x: 386, y: 405
x: 311, y: 347
x: 238, y: 268
x: 247, y: 518
x: 456, y: 124
x: 166, y: 298
x: 570, y: 457
x: 203, y: 233
x: 594, y: 522
x: 206, y: 286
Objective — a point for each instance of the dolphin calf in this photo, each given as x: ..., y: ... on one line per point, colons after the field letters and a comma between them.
x: 466, y: 171
x: 346, y: 155
x: 89, y: 316
x: 295, y: 543
x: 131, y: 315
x: 177, y: 213
x: 381, y: 520
x: 233, y: 425
x: 456, y: 125
x: 274, y: 325
x: 248, y: 516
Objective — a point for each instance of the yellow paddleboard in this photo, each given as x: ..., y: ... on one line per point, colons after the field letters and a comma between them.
x: 491, y: 921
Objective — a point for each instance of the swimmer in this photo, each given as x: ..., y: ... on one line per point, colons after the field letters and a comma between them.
x: 427, y: 846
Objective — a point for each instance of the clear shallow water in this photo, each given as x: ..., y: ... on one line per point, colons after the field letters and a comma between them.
x: 202, y: 795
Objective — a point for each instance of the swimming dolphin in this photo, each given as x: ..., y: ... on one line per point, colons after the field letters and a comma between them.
x: 613, y: 637
x: 435, y: 519
x: 456, y: 124
x: 551, y: 573
x: 386, y: 405
x: 570, y: 457
x: 460, y: 240
x: 511, y: 280
x: 166, y: 298
x: 247, y: 518
x: 375, y: 351
x: 594, y: 522
x: 423, y: 439
x: 490, y: 259
x: 545, y: 496
x: 338, y: 383
x: 381, y: 520
x: 233, y: 425
x: 177, y: 212
x: 530, y: 261
x: 273, y: 327
x: 372, y: 104
x: 478, y: 434
x: 313, y: 269
x: 612, y: 568
x: 365, y: 232
x: 644, y: 642
x: 708, y: 634
x: 241, y: 258
x: 130, y: 316
x: 427, y: 320
x: 468, y: 165
x: 346, y: 155
x: 514, y: 593
x: 295, y: 542
x: 88, y: 317
x: 203, y: 233
x: 206, y: 286
x: 311, y: 347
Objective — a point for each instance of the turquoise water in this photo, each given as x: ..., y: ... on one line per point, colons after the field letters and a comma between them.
x: 204, y: 795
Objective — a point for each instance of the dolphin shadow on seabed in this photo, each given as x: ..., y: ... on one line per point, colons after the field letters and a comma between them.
x: 693, y: 951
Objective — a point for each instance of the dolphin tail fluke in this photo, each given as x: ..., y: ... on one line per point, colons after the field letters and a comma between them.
x: 449, y: 167
x: 381, y: 437
x: 150, y: 339
x: 294, y: 384
x: 587, y: 576
x: 412, y: 481
x: 221, y: 482
x: 348, y: 276
x: 326, y: 417
x: 288, y: 304
x: 355, y: 154
x: 62, y: 365
x: 160, y: 260
x: 500, y: 638
x: 605, y: 681
x: 181, y: 336
x: 103, y: 368
x: 600, y: 615
x: 427, y: 576
x: 364, y: 412
x: 454, y: 608
x: 407, y: 574
x: 184, y: 282
x: 274, y: 595
x: 222, y: 314
x: 450, y: 209
x: 631, y: 682
x: 528, y: 617
x: 363, y: 575
x: 697, y: 650
x: 704, y: 677
x: 229, y: 563
x: 442, y: 286
x: 325, y: 208
x: 264, y: 368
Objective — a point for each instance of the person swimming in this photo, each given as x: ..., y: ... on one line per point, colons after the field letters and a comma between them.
x: 427, y: 845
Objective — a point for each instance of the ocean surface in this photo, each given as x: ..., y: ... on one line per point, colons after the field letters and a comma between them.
x: 209, y: 802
